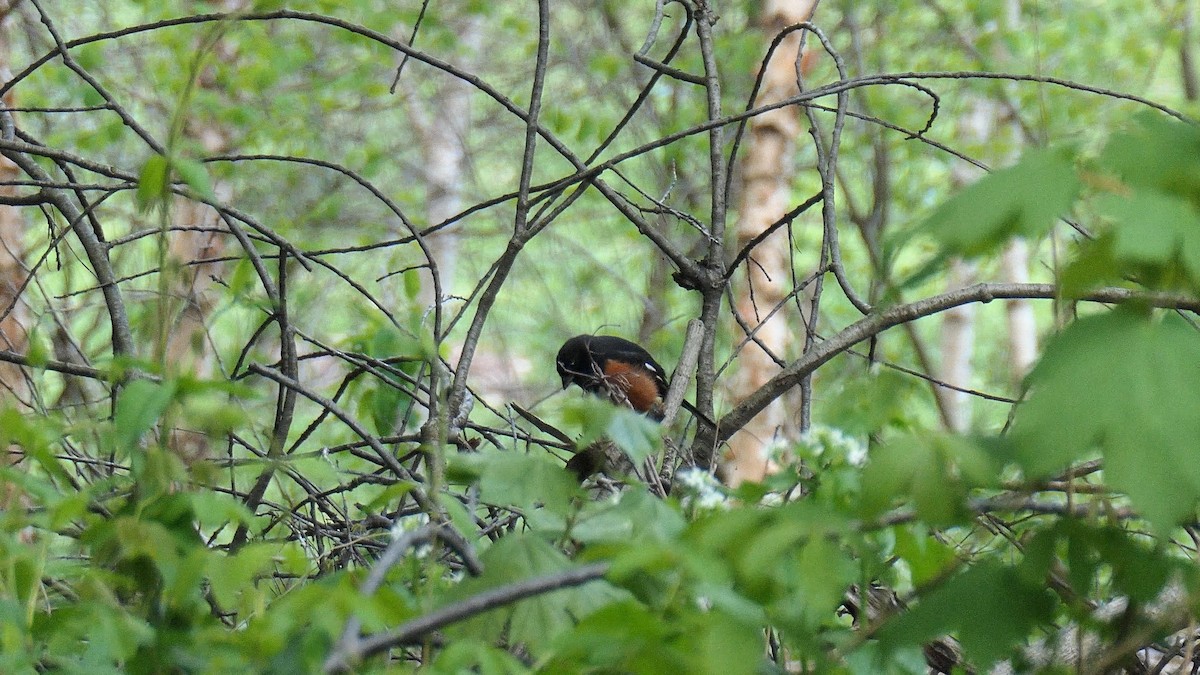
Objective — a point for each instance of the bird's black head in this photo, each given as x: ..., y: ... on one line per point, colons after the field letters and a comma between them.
x: 574, y: 361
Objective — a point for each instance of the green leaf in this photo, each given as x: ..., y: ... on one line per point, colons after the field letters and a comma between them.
x: 636, y: 435
x: 623, y: 637
x: 517, y: 479
x: 1022, y: 200
x: 1156, y: 236
x: 195, y: 176
x: 865, y: 400
x: 153, y: 182
x: 591, y: 416
x: 935, y: 471
x: 1157, y: 153
x: 233, y: 575
x: 637, y: 516
x: 926, y: 556
x: 991, y: 608
x: 1125, y: 384
x: 539, y: 620
x: 412, y: 284
x: 472, y: 656
x: 721, y: 643
x: 215, y: 509
x: 824, y: 572
x: 1094, y: 265
x: 140, y: 405
x: 384, y: 403
x: 1138, y: 571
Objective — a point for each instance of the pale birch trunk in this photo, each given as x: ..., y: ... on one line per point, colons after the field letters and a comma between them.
x: 767, y: 170
x: 957, y: 335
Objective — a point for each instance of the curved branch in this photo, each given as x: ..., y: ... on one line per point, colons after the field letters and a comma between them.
x: 97, y: 253
x: 343, y: 658
x: 883, y: 319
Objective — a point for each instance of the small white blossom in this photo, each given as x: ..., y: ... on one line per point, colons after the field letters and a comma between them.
x: 701, y: 490
x: 402, y: 526
x: 825, y: 441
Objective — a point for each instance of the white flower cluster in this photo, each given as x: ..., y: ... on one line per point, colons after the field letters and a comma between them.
x: 831, y: 443
x: 701, y: 490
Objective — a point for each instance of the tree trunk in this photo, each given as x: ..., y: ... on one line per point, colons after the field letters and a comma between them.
x: 14, y: 313
x: 767, y: 170
x: 1022, y: 327
x: 957, y: 347
x: 14, y: 335
x: 201, y: 238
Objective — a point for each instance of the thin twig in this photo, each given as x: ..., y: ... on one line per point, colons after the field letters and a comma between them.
x: 408, y: 633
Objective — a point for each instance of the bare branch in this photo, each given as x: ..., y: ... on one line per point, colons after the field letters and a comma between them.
x: 341, y: 659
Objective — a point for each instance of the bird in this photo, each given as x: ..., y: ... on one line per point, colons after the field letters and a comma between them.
x: 619, y: 370
x: 614, y: 368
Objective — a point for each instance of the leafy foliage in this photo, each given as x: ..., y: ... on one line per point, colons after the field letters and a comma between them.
x: 327, y: 496
x: 1135, y: 409
x: 1021, y: 200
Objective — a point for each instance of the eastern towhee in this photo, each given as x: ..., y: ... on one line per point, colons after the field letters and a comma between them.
x: 616, y: 369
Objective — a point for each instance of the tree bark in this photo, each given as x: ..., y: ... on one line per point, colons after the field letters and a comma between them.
x: 14, y: 312
x: 767, y: 170
x: 200, y: 239
x: 957, y: 348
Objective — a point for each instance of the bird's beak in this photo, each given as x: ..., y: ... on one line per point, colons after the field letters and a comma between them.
x: 567, y: 379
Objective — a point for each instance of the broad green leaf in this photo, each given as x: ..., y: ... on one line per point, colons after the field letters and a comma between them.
x: 720, y: 643
x: 1022, y: 200
x: 824, y: 572
x: 1138, y: 571
x: 991, y: 608
x: 384, y: 403
x: 926, y: 556
x: 472, y: 656
x: 1124, y: 384
x: 1157, y: 236
x: 1157, y: 153
x: 232, y: 575
x: 386, y: 398
x: 590, y: 416
x: 518, y: 479
x: 622, y: 637
x: 878, y: 660
x: 1094, y: 265
x: 153, y: 182
x: 34, y: 435
x: 195, y: 176
x: 1100, y: 554
x: 1152, y: 236
x: 1153, y: 228
x: 539, y: 620
x: 216, y: 509
x: 412, y: 284
x: 140, y: 405
x: 698, y: 637
x: 865, y: 400
x: 637, y: 516
x: 636, y: 435
x: 935, y: 471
